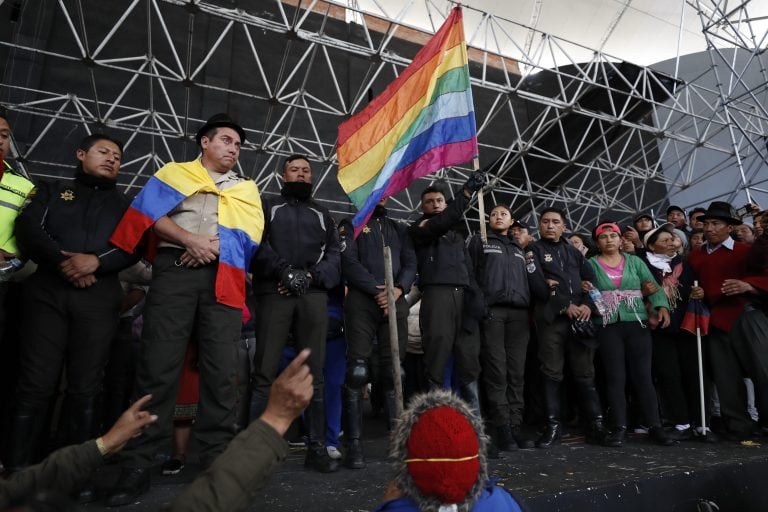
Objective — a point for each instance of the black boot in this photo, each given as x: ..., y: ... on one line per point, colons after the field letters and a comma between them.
x: 256, y: 407
x: 554, y: 429
x: 79, y: 426
x: 353, y: 434
x: 523, y: 442
x: 317, y: 455
x: 592, y: 410
x: 503, y: 438
x: 659, y: 436
x: 26, y: 426
x: 132, y: 483
x: 615, y: 438
x: 471, y: 395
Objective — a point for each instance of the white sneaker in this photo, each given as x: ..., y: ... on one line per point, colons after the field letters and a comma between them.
x: 333, y: 452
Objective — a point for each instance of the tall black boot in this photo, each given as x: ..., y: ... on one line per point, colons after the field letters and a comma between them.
x: 257, y: 404
x: 79, y: 426
x: 353, y: 433
x: 317, y: 455
x: 554, y: 428
x: 26, y: 426
x: 79, y: 419
x: 592, y: 410
x: 471, y: 394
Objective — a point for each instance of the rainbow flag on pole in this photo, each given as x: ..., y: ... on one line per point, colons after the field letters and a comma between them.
x: 422, y: 122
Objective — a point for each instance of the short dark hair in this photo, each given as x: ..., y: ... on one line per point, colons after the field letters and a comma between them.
x: 292, y: 158
x: 432, y: 189
x: 209, y: 134
x: 552, y: 209
x: 696, y: 210
x: 88, y: 142
x: 4, y: 114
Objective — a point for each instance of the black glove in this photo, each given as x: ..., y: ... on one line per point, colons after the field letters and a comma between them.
x: 476, y: 181
x: 295, y: 281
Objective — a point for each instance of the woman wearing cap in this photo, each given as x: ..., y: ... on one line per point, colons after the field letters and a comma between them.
x: 674, y: 350
x: 624, y: 339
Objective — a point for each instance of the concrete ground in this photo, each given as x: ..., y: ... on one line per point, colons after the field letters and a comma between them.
x: 534, y: 476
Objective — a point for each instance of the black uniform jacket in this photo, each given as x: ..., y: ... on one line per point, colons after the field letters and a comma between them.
x: 499, y: 267
x: 440, y: 249
x: 73, y: 216
x: 300, y: 234
x: 362, y: 260
x: 565, y: 264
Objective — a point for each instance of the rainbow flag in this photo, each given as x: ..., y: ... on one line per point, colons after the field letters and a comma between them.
x: 241, y: 221
x: 422, y: 122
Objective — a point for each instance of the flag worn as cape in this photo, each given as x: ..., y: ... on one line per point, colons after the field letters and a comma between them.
x: 241, y: 221
x: 422, y: 122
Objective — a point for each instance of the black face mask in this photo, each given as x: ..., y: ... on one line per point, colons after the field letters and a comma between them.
x: 90, y: 180
x: 297, y: 189
x: 379, y: 211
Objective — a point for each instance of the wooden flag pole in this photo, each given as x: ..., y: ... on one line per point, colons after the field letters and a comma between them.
x: 481, y: 207
x: 394, y: 344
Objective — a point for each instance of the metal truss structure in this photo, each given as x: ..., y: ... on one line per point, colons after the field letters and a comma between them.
x: 561, y: 124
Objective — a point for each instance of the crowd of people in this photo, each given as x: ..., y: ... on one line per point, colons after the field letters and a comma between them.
x: 241, y: 283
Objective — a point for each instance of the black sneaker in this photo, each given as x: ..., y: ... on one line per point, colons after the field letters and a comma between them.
x: 133, y: 482
x: 172, y: 467
x: 318, y: 460
x: 615, y: 438
x: 659, y: 436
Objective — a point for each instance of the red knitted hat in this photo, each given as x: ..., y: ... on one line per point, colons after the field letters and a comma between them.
x: 439, y: 451
x: 443, y: 454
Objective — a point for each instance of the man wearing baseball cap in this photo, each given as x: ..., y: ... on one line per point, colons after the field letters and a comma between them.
x: 676, y: 216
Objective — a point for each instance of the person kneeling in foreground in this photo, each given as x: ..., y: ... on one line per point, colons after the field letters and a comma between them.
x: 231, y: 481
x: 439, y: 451
x: 70, y: 467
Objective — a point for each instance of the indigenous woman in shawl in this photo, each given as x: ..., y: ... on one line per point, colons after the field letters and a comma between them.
x: 625, y: 340
x: 675, y: 367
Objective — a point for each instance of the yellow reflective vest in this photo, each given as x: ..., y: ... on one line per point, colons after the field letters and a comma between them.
x: 14, y: 191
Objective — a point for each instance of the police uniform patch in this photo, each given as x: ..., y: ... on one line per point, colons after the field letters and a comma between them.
x: 68, y: 195
x: 548, y: 258
x: 366, y: 230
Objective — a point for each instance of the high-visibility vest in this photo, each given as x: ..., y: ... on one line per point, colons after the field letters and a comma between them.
x: 14, y: 191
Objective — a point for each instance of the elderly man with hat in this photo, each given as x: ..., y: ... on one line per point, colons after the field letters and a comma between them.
x: 725, y: 286
x: 208, y: 221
